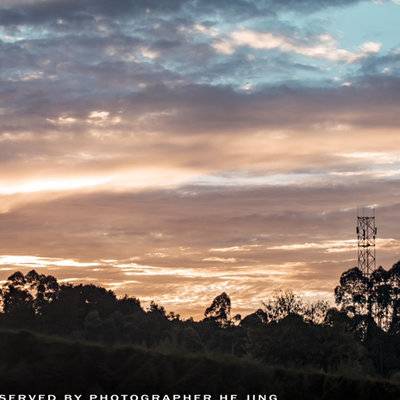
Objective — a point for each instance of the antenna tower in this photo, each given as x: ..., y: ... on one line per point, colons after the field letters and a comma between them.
x: 366, y: 234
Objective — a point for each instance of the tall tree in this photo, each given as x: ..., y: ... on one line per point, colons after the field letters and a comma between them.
x: 219, y: 310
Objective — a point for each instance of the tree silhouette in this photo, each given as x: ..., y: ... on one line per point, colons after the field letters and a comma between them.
x: 282, y: 304
x: 394, y: 282
x: 219, y: 310
x: 371, y: 300
x: 18, y: 302
x: 256, y: 319
x: 352, y: 293
x: 24, y: 295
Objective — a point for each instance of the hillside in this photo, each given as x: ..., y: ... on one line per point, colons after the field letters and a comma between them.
x: 33, y: 363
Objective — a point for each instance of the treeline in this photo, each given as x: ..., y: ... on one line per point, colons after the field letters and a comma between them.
x: 358, y: 338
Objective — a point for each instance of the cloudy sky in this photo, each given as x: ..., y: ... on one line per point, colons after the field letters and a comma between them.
x: 175, y: 149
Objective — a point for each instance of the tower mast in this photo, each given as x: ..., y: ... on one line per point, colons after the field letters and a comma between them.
x: 366, y: 234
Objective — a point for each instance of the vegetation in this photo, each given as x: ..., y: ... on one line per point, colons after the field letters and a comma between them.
x: 84, y: 334
x: 32, y: 363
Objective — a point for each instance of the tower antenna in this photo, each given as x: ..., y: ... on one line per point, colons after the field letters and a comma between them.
x: 366, y: 235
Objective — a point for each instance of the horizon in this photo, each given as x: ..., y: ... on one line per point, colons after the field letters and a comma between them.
x: 176, y: 150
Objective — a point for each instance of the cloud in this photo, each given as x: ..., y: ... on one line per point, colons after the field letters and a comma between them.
x: 220, y: 259
x: 375, y: 157
x: 15, y: 261
x: 386, y: 64
x: 231, y: 249
x: 28, y: 12
x: 325, y: 46
x: 50, y: 11
x: 186, y: 107
x: 125, y: 179
x: 337, y: 246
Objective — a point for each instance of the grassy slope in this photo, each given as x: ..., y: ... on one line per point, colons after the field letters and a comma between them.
x: 31, y: 363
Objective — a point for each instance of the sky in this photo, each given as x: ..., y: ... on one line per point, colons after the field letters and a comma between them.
x: 172, y: 150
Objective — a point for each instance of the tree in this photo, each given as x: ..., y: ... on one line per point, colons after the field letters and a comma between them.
x: 291, y: 342
x: 371, y: 300
x: 282, y: 304
x: 129, y: 305
x: 17, y: 304
x: 394, y: 281
x: 380, y: 297
x: 315, y: 313
x: 256, y: 319
x: 285, y: 303
x: 156, y: 310
x: 29, y: 293
x: 219, y: 310
x: 45, y: 289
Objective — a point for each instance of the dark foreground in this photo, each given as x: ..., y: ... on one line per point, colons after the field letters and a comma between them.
x: 32, y: 363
